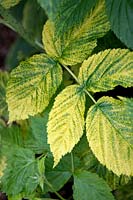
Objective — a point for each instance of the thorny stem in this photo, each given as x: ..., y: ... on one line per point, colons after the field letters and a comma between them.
x: 11, y: 22
x: 50, y: 186
x: 75, y: 78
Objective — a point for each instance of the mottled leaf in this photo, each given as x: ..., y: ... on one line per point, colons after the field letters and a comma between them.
x: 77, y: 44
x: 66, y: 121
x: 31, y: 86
x: 110, y: 133
x: 3, y: 82
x: 9, y: 3
x: 107, y: 69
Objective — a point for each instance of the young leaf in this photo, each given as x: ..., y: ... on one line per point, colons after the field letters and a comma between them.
x: 110, y: 133
x: 120, y: 14
x: 76, y: 44
x: 3, y: 82
x: 107, y: 69
x: 31, y: 86
x: 21, y: 173
x: 91, y: 187
x: 9, y: 3
x: 66, y: 121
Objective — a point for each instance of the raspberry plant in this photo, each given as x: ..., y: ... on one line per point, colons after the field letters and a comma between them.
x: 53, y: 129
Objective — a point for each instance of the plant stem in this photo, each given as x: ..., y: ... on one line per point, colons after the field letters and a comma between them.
x: 49, y: 184
x: 12, y: 23
x: 76, y: 79
x: 72, y: 162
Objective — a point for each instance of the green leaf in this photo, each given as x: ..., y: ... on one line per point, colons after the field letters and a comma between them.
x: 9, y: 3
x: 88, y: 186
x: 58, y: 176
x: 3, y: 82
x: 51, y: 7
x: 120, y: 14
x: 110, y: 133
x: 66, y: 121
x: 36, y: 138
x: 41, y: 169
x: 111, y: 179
x: 107, y: 69
x: 77, y: 44
x: 10, y: 138
x: 21, y: 173
x: 36, y: 17
x: 19, y: 51
x: 2, y: 166
x: 31, y: 86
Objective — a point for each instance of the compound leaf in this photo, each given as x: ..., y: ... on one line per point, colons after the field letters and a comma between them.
x: 31, y: 86
x: 66, y: 121
x: 77, y: 43
x: 3, y: 82
x: 107, y: 69
x: 21, y: 173
x: 120, y: 14
x: 110, y: 133
x: 9, y: 3
x: 91, y: 187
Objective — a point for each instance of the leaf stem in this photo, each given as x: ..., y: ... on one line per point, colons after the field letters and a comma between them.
x: 72, y: 162
x: 11, y: 22
x: 76, y: 79
x: 50, y: 186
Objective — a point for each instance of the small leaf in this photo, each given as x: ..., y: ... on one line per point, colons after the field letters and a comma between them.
x: 31, y: 86
x: 21, y: 173
x: 107, y: 69
x: 110, y: 133
x: 3, y: 82
x: 88, y: 186
x: 66, y: 121
x: 9, y: 3
x: 76, y: 44
x: 120, y: 14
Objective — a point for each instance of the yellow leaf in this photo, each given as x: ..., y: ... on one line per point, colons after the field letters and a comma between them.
x: 66, y: 121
